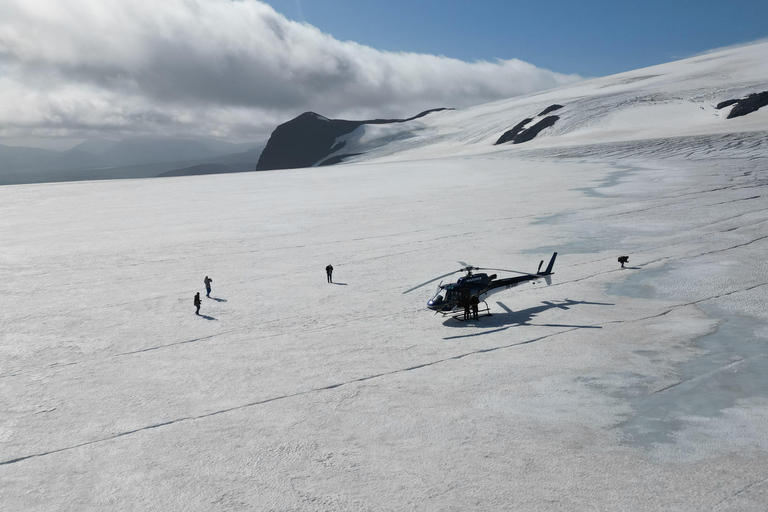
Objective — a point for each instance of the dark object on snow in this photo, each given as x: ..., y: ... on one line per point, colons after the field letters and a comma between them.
x: 310, y: 139
x: 197, y: 303
x: 726, y: 103
x: 550, y: 108
x: 623, y: 260
x: 534, y: 130
x: 518, y: 134
x: 510, y: 135
x: 329, y: 272
x: 744, y: 106
x: 207, y: 282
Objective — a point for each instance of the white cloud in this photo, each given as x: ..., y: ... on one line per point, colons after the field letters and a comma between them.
x: 235, y: 69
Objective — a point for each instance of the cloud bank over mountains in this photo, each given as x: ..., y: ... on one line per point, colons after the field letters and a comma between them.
x: 214, y: 68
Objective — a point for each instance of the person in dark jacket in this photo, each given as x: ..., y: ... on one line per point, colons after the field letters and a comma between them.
x: 197, y: 303
x: 329, y: 271
x: 475, y: 302
x: 465, y: 303
x: 623, y: 260
x: 207, y: 282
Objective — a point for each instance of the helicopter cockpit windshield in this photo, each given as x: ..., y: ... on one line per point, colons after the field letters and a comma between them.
x: 442, y: 295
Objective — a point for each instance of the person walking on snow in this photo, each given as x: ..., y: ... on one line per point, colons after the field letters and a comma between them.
x: 197, y: 303
x: 329, y: 271
x: 207, y: 282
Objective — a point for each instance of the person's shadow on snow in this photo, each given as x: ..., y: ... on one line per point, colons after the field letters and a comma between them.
x: 340, y: 284
x: 218, y: 299
x: 208, y: 317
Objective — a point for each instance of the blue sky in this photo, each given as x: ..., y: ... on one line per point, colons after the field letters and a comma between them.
x: 590, y: 38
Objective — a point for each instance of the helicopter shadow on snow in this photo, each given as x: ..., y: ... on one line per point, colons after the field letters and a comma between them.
x: 501, y: 321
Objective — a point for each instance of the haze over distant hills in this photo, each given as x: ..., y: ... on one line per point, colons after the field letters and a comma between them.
x: 101, y: 158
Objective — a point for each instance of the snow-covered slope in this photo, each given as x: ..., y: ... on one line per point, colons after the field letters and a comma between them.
x: 677, y: 99
x: 640, y: 388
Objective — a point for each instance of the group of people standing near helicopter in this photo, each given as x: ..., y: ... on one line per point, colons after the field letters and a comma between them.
x: 469, y: 301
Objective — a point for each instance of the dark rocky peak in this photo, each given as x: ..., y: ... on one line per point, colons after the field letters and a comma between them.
x: 311, y: 138
x: 303, y: 141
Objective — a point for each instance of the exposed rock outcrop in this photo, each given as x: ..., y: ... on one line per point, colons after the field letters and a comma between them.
x: 510, y: 135
x: 533, y: 131
x: 550, y: 108
x: 310, y: 139
x: 746, y: 105
x: 519, y: 133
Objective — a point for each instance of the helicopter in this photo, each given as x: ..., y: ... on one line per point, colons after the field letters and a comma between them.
x: 448, y: 299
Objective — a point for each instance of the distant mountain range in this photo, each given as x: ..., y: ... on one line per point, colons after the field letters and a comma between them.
x: 703, y: 98
x: 131, y: 158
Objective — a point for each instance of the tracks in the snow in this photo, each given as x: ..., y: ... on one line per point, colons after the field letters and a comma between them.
x: 281, y: 397
x: 427, y: 364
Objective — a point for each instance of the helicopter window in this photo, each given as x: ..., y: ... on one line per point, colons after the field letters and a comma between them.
x: 442, y: 292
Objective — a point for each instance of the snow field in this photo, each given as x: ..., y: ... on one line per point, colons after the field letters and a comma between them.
x: 612, y: 389
x: 297, y: 394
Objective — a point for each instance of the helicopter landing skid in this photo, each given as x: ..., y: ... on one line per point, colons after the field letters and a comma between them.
x: 481, y: 311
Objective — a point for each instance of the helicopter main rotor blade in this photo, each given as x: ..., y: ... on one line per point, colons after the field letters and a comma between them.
x: 507, y: 270
x: 432, y: 280
x: 467, y: 266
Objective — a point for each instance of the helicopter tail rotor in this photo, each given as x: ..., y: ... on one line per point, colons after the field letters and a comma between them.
x: 549, y: 267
